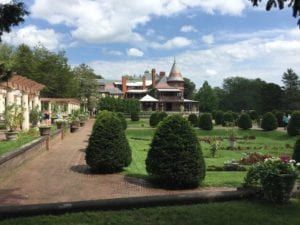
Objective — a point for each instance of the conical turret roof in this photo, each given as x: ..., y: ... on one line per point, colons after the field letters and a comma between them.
x: 175, y: 74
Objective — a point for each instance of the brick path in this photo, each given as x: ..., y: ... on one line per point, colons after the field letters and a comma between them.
x: 61, y: 175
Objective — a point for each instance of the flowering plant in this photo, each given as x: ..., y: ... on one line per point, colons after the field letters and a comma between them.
x: 276, y: 176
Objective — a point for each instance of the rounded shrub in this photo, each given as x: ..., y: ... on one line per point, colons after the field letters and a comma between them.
x: 205, y: 121
x: 134, y: 116
x: 293, y: 127
x: 175, y: 157
x: 193, y: 118
x: 245, y: 122
x: 154, y: 119
x: 122, y: 119
x: 279, y: 116
x: 228, y: 119
x: 296, y: 154
x: 219, y: 118
x: 108, y: 150
x: 162, y: 115
x: 269, y: 122
x: 253, y: 115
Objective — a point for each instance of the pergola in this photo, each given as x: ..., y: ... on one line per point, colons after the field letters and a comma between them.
x: 65, y: 105
x: 23, y: 92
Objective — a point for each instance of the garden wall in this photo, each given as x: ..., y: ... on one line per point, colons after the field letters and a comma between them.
x: 16, y: 158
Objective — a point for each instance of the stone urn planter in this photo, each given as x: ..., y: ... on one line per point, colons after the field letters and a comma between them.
x: 82, y: 123
x: 74, y: 126
x: 60, y: 123
x: 11, y: 135
x: 45, y: 130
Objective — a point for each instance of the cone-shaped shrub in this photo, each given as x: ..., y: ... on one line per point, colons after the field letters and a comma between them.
x: 154, y: 119
x: 269, y: 122
x: 296, y: 155
x: 245, y: 122
x: 205, y: 121
x: 108, y: 150
x: 122, y: 119
x: 135, y: 116
x: 228, y: 119
x: 293, y: 128
x: 219, y: 118
x: 193, y: 120
x: 175, y: 158
x: 279, y: 116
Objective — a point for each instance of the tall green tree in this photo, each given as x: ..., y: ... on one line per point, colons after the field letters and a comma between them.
x: 291, y: 98
x: 271, y: 97
x: 189, y: 89
x: 207, y: 97
x: 22, y: 61
x: 11, y: 14
x: 86, y: 84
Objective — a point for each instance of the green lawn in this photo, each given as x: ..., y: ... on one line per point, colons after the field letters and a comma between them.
x: 226, y: 213
x: 276, y: 143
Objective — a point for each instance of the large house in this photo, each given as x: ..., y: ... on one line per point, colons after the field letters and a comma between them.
x: 154, y: 91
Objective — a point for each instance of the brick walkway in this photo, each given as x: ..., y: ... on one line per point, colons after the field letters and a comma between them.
x: 60, y: 175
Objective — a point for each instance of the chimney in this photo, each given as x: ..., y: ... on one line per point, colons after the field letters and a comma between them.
x: 162, y: 74
x: 124, y: 84
x: 144, y: 82
x: 153, y: 75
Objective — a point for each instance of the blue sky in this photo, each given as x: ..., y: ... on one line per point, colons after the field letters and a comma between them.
x: 211, y: 39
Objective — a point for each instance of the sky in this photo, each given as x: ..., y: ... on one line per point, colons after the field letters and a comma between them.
x: 210, y: 39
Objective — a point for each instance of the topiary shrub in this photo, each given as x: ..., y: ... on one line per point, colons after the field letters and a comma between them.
x: 108, y: 150
x: 219, y: 118
x: 269, y: 122
x: 245, y: 122
x: 293, y: 127
x: 279, y: 116
x: 134, y: 116
x: 228, y: 119
x: 154, y: 119
x: 296, y: 154
x: 253, y: 115
x: 162, y: 115
x: 193, y: 118
x: 175, y: 158
x: 122, y: 119
x: 205, y: 121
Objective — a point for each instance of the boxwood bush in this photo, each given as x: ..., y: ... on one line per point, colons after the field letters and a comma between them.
x: 162, y: 115
x: 279, y: 116
x: 296, y: 155
x: 228, y: 119
x: 245, y: 122
x: 269, y: 122
x: 293, y: 127
x: 193, y: 118
x: 122, y: 119
x: 175, y: 157
x: 253, y: 115
x: 108, y: 150
x: 205, y: 121
x: 154, y: 119
x: 134, y: 116
x: 219, y: 118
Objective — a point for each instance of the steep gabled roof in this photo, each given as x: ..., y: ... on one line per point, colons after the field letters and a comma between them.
x: 163, y: 84
x: 148, y: 98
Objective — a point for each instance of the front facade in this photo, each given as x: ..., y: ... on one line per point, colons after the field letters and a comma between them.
x: 155, y: 91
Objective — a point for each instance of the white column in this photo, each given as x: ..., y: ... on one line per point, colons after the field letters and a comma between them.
x: 25, y: 106
x: 2, y: 103
x: 10, y: 97
x: 49, y: 109
x: 69, y: 108
x: 36, y: 102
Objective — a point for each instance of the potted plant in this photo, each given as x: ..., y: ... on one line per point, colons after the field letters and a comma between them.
x: 232, y: 139
x: 276, y: 176
x: 35, y: 116
x: 60, y: 123
x: 13, y: 117
x: 74, y: 122
x: 45, y: 129
x: 82, y: 118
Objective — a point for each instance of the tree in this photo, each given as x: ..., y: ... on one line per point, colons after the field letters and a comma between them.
x: 207, y: 98
x: 189, y: 89
x: 271, y: 97
x: 22, y: 61
x: 269, y: 122
x: 291, y: 98
x: 175, y: 158
x: 245, y: 122
x: 294, y: 4
x: 87, y: 87
x: 293, y: 128
x: 205, y: 121
x: 11, y: 14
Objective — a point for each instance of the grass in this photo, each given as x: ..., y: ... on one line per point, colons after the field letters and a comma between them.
x: 226, y: 213
x: 275, y: 143
x: 24, y: 138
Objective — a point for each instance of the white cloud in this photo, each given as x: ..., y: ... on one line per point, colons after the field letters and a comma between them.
x: 208, y: 39
x: 32, y: 36
x: 4, y: 1
x: 266, y: 58
x: 135, y: 52
x: 105, y: 21
x: 176, y: 42
x: 188, y: 28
